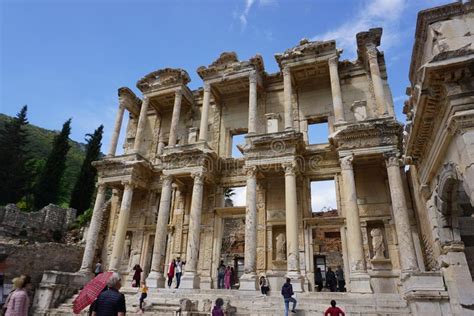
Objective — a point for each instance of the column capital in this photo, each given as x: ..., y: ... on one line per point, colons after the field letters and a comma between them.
x: 286, y: 71
x: 372, y: 52
x: 206, y: 87
x: 178, y: 93
x: 167, y: 179
x: 100, y: 186
x: 333, y: 61
x: 145, y: 98
x: 346, y: 162
x: 290, y: 168
x: 392, y: 160
x: 198, y: 177
x: 253, y: 77
x: 129, y: 183
x: 250, y: 171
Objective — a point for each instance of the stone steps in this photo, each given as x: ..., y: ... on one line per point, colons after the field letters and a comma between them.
x: 252, y: 303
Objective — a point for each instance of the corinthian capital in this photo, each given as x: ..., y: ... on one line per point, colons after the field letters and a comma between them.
x: 372, y: 52
x: 392, y: 160
x: 167, y: 179
x: 333, y: 61
x: 207, y: 87
x: 251, y: 171
x: 253, y: 77
x: 346, y: 162
x: 198, y: 177
x: 286, y: 71
x: 289, y: 167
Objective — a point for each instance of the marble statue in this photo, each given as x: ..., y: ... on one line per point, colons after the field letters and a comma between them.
x: 281, y: 247
x: 377, y: 243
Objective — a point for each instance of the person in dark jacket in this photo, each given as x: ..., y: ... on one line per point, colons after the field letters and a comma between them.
x: 341, y: 283
x: 287, y: 292
x: 331, y: 281
x: 318, y: 280
x: 217, y: 310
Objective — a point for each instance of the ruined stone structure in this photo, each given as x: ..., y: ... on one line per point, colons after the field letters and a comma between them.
x: 402, y: 251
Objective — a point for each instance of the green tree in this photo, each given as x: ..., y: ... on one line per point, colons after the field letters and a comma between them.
x: 48, y: 186
x: 84, y: 188
x: 14, y: 170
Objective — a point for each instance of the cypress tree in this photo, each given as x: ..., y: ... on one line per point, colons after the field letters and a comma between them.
x: 81, y: 197
x: 14, y: 172
x: 48, y: 186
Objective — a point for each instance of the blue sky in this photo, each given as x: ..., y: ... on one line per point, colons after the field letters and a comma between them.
x: 66, y: 58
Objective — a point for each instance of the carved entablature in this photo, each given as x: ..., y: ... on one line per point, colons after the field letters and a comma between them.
x: 230, y: 167
x: 268, y: 149
x: 305, y: 50
x: 364, y: 136
x: 229, y: 63
x: 163, y: 78
x: 189, y: 159
x: 367, y: 43
x: 129, y: 100
x: 133, y: 169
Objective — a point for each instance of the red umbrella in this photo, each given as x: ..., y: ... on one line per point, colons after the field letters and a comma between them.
x: 90, y: 292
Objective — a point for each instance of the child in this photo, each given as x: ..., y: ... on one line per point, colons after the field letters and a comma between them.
x: 143, y: 294
x: 217, y: 311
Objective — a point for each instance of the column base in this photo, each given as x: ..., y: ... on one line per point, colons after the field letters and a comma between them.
x: 248, y: 282
x: 155, y: 280
x: 360, y: 282
x: 297, y: 281
x: 206, y: 283
x: 190, y: 280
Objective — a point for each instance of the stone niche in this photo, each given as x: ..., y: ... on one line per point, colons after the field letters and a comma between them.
x: 279, y: 247
x: 272, y: 122
x: 378, y: 246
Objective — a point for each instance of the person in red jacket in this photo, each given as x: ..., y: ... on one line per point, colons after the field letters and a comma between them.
x: 333, y: 310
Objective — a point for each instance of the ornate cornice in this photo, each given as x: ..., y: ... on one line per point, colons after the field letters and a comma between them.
x: 163, y: 78
x: 227, y: 63
x: 367, y: 42
x: 306, y: 48
x: 129, y: 100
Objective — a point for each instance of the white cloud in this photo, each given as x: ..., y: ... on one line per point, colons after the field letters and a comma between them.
x: 240, y: 196
x: 243, y: 17
x: 323, y: 195
x: 373, y: 13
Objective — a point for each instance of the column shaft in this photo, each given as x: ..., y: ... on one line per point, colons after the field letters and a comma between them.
x: 121, y: 229
x: 377, y: 80
x: 205, y: 112
x: 250, y: 262
x: 94, y: 229
x: 252, y: 124
x: 291, y: 205
x: 156, y: 279
x: 354, y: 240
x: 287, y: 90
x: 116, y: 131
x: 175, y: 118
x: 141, y: 125
x: 406, y: 245
x: 336, y: 89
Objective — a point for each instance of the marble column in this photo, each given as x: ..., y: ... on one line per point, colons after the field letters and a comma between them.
x: 116, y: 131
x: 248, y: 281
x: 406, y: 245
x: 252, y: 124
x: 156, y: 277
x: 141, y: 125
x: 287, y: 91
x: 336, y: 89
x: 93, y: 231
x: 175, y: 118
x: 121, y: 229
x: 359, y: 280
x: 190, y: 278
x: 377, y: 80
x: 205, y: 112
x: 292, y: 247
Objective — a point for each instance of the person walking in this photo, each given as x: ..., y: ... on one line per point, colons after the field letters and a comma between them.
x: 137, y: 276
x: 143, y: 295
x: 98, y: 267
x: 18, y: 302
x: 318, y: 279
x: 264, y: 288
x: 333, y: 310
x: 227, y: 276
x: 111, y: 301
x: 220, y: 275
x: 331, y: 281
x: 341, y: 283
x: 287, y: 292
x: 171, y: 272
x: 217, y: 310
x: 179, y: 270
x: 232, y: 277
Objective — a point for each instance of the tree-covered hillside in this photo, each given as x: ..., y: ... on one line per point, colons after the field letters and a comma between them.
x: 39, y: 146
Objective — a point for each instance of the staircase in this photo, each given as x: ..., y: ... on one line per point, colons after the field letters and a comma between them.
x: 250, y: 303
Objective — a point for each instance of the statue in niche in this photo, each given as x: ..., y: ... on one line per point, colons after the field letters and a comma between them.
x: 280, y: 247
x: 134, y: 259
x: 377, y: 243
x: 126, y: 248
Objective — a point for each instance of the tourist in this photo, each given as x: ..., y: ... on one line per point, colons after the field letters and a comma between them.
x: 287, y: 292
x: 232, y: 277
x: 341, y: 283
x: 179, y: 270
x: 264, y: 288
x: 98, y: 267
x: 171, y: 272
x: 318, y: 280
x: 227, y: 277
x: 220, y: 275
x: 18, y: 302
x: 331, y: 281
x: 143, y: 294
x: 333, y: 310
x: 217, y: 310
x: 137, y: 275
x: 111, y: 301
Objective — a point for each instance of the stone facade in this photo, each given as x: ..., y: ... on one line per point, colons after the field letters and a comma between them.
x: 387, y: 232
